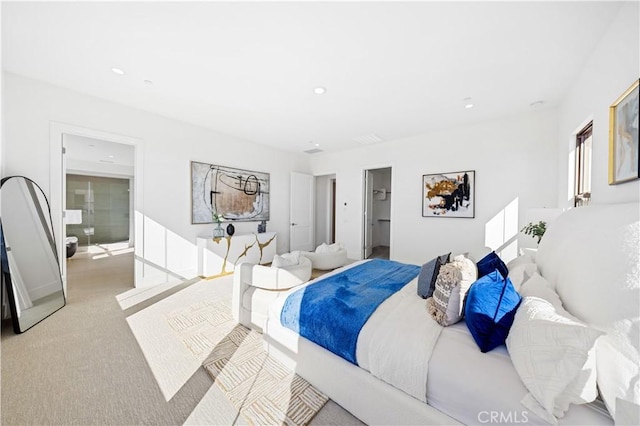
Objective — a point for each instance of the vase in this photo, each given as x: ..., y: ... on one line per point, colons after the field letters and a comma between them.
x: 218, y: 232
x: 231, y: 229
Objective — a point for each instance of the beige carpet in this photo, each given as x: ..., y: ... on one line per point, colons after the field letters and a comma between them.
x: 263, y: 390
x: 83, y: 365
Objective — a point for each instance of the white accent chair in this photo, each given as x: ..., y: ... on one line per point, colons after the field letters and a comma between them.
x: 256, y: 286
x: 327, y: 257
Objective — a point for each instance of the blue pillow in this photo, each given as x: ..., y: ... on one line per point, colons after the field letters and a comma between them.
x: 491, y: 305
x: 429, y: 274
x: 490, y: 262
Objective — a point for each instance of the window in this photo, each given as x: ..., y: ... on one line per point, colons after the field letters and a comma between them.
x: 582, y: 192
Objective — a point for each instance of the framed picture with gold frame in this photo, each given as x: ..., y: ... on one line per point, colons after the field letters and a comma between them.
x: 624, y: 162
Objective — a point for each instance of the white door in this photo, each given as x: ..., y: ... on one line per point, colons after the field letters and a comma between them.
x: 301, y: 233
x: 368, y: 213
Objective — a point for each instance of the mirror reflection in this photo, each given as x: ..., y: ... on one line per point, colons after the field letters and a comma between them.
x: 30, y: 268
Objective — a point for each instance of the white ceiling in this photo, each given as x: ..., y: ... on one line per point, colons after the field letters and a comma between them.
x: 249, y: 69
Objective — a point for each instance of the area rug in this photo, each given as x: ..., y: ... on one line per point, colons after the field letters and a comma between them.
x: 263, y: 390
x: 178, y: 333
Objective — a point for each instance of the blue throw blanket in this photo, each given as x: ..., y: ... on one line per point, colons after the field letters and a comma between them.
x: 332, y: 311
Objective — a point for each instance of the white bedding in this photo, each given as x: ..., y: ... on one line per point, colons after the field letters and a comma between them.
x: 398, y: 345
x: 395, y: 344
x: 472, y: 386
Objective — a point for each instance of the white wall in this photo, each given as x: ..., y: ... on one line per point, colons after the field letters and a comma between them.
x: 613, y: 66
x: 168, y: 147
x: 515, y: 165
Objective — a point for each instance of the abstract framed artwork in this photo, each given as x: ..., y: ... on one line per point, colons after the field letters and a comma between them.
x: 624, y: 162
x: 449, y: 194
x: 236, y: 194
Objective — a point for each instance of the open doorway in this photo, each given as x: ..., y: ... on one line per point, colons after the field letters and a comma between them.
x: 377, y: 213
x: 325, y: 219
x: 98, y: 178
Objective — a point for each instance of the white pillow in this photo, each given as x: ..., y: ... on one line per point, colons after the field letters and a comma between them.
x: 538, y: 286
x: 554, y: 356
x: 328, y: 248
x: 287, y: 259
x: 322, y: 248
x: 452, y: 283
x: 520, y: 273
x: 520, y: 260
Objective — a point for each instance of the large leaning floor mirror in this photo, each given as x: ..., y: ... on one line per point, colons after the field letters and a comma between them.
x: 30, y: 268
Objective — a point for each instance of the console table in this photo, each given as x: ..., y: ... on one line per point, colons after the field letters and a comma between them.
x: 219, y: 256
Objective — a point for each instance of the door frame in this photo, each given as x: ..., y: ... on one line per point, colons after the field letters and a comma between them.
x: 367, y: 214
x: 57, y: 188
x: 333, y: 205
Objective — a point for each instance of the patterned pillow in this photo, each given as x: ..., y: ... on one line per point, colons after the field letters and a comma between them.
x: 554, y: 356
x: 451, y: 285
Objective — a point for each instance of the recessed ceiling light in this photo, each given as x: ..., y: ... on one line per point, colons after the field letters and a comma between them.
x: 117, y: 71
x: 319, y: 90
x: 111, y: 156
x: 467, y: 106
x: 536, y: 104
x: 148, y: 82
x: 467, y: 103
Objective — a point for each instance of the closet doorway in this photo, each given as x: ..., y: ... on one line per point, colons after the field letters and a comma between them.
x: 377, y: 213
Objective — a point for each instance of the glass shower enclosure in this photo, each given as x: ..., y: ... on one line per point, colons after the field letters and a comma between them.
x: 100, y: 207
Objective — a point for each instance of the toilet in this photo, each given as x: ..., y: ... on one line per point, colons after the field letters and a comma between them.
x: 72, y: 245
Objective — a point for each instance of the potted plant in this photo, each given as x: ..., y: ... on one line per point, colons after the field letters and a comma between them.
x: 217, y: 218
x: 536, y: 230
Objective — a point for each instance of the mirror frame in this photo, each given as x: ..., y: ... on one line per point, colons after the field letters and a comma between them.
x: 6, y: 272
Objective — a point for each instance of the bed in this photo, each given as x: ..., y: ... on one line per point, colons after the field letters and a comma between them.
x: 410, y: 370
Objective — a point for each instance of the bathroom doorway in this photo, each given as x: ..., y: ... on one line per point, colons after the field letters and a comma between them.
x: 98, y: 182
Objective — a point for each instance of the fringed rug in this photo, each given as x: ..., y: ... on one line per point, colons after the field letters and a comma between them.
x: 263, y: 390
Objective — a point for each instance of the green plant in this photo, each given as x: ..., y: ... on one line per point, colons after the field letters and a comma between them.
x: 536, y: 230
x: 217, y: 217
